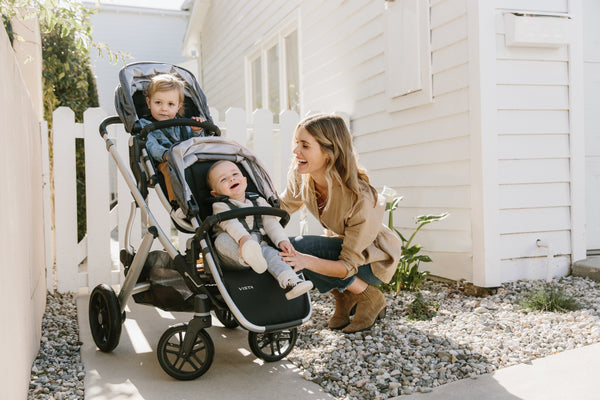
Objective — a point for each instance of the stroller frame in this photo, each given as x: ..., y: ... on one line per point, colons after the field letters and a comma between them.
x: 194, y: 350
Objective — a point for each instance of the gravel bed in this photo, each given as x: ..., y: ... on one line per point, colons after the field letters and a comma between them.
x: 469, y: 336
x: 57, y: 372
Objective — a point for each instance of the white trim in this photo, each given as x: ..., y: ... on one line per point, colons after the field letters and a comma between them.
x: 577, y: 134
x: 484, y: 159
x: 275, y: 37
x: 420, y: 93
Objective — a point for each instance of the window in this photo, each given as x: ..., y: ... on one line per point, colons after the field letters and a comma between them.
x: 408, y: 53
x: 273, y: 74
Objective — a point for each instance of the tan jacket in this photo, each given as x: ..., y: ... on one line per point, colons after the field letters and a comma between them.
x: 366, y: 239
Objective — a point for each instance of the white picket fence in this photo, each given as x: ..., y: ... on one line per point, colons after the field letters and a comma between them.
x: 93, y: 260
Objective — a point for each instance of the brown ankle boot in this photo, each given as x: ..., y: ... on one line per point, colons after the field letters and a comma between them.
x: 344, y: 301
x: 369, y: 308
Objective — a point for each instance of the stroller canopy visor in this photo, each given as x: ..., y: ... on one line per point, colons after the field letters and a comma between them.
x: 133, y: 80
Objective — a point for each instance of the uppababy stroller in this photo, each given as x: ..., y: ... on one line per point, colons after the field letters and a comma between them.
x: 171, y: 279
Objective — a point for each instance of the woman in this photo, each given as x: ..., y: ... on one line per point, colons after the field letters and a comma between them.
x: 363, y: 253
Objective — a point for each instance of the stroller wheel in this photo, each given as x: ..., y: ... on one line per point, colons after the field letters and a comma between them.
x: 182, y: 366
x: 105, y: 317
x: 226, y: 318
x: 272, y: 346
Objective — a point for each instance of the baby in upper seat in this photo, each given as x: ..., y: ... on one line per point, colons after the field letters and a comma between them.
x: 165, y: 96
x: 238, y: 244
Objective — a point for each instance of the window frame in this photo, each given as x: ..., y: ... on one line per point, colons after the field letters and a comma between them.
x: 260, y: 51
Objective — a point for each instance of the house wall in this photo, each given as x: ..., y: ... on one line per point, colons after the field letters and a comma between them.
x: 23, y: 284
x: 497, y: 147
x: 422, y: 152
x: 533, y: 128
x: 231, y: 29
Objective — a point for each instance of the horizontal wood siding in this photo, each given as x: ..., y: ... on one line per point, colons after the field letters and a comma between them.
x: 232, y: 28
x: 532, y: 96
x: 421, y: 152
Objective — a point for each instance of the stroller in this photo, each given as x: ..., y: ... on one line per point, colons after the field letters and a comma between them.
x: 174, y: 280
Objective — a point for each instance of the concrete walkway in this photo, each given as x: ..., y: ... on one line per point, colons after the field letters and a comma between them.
x: 132, y: 371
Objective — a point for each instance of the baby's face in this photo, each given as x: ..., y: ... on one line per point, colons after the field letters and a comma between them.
x: 164, y: 105
x: 226, y: 179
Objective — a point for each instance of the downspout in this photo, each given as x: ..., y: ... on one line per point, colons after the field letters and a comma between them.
x: 549, y: 257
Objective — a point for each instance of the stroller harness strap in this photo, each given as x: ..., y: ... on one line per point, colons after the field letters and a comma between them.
x: 257, y: 226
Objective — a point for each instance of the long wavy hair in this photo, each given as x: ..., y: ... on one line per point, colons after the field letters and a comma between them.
x: 334, y: 138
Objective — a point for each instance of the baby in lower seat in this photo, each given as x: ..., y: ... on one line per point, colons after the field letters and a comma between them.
x: 240, y: 246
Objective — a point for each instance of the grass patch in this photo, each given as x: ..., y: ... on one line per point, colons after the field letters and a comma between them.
x: 550, y: 298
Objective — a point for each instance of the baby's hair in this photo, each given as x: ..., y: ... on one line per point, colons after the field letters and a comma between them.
x: 163, y: 83
x: 212, y: 167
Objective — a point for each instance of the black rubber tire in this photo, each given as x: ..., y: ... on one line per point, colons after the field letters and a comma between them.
x: 226, y: 318
x: 105, y: 317
x: 185, y: 368
x: 272, y: 346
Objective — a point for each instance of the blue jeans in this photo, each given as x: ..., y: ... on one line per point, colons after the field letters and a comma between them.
x: 329, y: 248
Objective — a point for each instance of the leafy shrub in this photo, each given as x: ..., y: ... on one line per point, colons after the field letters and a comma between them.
x: 407, y: 275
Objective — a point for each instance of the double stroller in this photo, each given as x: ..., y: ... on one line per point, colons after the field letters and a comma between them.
x: 193, y: 279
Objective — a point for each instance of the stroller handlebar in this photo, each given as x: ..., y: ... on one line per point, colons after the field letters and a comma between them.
x: 211, y: 129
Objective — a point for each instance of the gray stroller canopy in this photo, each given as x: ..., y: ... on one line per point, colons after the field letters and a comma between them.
x: 130, y: 101
x: 211, y: 148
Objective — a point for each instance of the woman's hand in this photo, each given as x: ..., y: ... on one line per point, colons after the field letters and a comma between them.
x: 299, y: 261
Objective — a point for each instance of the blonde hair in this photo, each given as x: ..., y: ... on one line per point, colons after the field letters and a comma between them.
x: 163, y: 83
x: 334, y: 138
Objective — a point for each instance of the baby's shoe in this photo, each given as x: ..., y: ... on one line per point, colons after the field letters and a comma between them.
x: 252, y: 254
x: 295, y: 288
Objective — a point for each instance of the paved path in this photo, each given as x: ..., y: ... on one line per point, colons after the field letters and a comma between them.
x: 132, y: 371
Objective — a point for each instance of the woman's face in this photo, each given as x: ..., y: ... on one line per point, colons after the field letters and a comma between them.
x: 310, y: 158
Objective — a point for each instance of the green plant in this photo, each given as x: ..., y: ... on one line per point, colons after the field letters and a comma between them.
x: 407, y: 275
x: 421, y: 310
x: 549, y: 298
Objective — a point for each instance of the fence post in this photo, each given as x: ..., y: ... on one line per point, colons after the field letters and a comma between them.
x: 263, y: 139
x: 235, y: 125
x: 65, y: 199
x: 97, y: 188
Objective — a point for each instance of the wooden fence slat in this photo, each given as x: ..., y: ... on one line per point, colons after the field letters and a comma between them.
x: 263, y: 137
x: 235, y: 125
x: 272, y: 146
x: 97, y: 200
x: 65, y: 199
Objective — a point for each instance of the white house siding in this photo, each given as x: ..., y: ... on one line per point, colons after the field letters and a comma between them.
x: 533, y: 150
x: 146, y: 34
x: 591, y: 59
x: 494, y: 147
x: 232, y: 29
x: 422, y: 152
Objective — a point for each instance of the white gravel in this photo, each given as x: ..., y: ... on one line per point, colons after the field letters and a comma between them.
x: 469, y: 336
